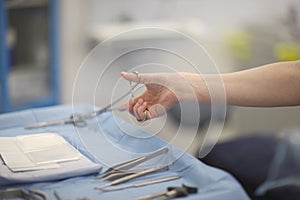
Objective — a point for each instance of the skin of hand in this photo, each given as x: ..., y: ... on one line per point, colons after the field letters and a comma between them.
x: 275, y: 84
x: 163, y: 91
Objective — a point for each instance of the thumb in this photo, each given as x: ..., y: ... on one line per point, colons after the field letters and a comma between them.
x: 145, y: 78
x: 130, y: 76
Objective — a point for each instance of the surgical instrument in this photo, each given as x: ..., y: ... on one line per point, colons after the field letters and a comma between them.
x: 170, y: 193
x: 122, y: 168
x: 13, y: 193
x: 120, y: 173
x: 132, y: 176
x: 140, y: 184
x: 79, y: 120
x: 57, y: 196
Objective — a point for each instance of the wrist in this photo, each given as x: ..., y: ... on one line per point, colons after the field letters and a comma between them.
x: 195, y: 88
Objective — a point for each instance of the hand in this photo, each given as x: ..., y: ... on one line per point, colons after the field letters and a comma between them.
x: 163, y: 91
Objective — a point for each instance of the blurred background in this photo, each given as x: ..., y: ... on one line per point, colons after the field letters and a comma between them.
x: 44, y: 42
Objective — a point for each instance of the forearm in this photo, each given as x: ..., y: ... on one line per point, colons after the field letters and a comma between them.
x: 276, y: 84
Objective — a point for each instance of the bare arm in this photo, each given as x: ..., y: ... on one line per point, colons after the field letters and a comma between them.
x: 276, y: 84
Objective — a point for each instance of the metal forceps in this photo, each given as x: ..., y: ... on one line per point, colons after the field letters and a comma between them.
x: 120, y: 173
x: 79, y: 120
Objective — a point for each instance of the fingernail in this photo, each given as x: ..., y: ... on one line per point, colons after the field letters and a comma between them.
x: 123, y: 73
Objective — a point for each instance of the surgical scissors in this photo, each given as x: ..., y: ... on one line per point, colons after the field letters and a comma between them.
x: 79, y: 120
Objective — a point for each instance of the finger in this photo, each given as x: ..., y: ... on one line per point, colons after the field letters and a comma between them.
x: 129, y: 76
x: 134, y: 78
x: 130, y: 107
x: 146, y: 78
x: 141, y: 111
x: 148, y: 115
x: 135, y: 109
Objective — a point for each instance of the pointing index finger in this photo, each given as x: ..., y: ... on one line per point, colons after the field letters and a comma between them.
x: 132, y: 77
